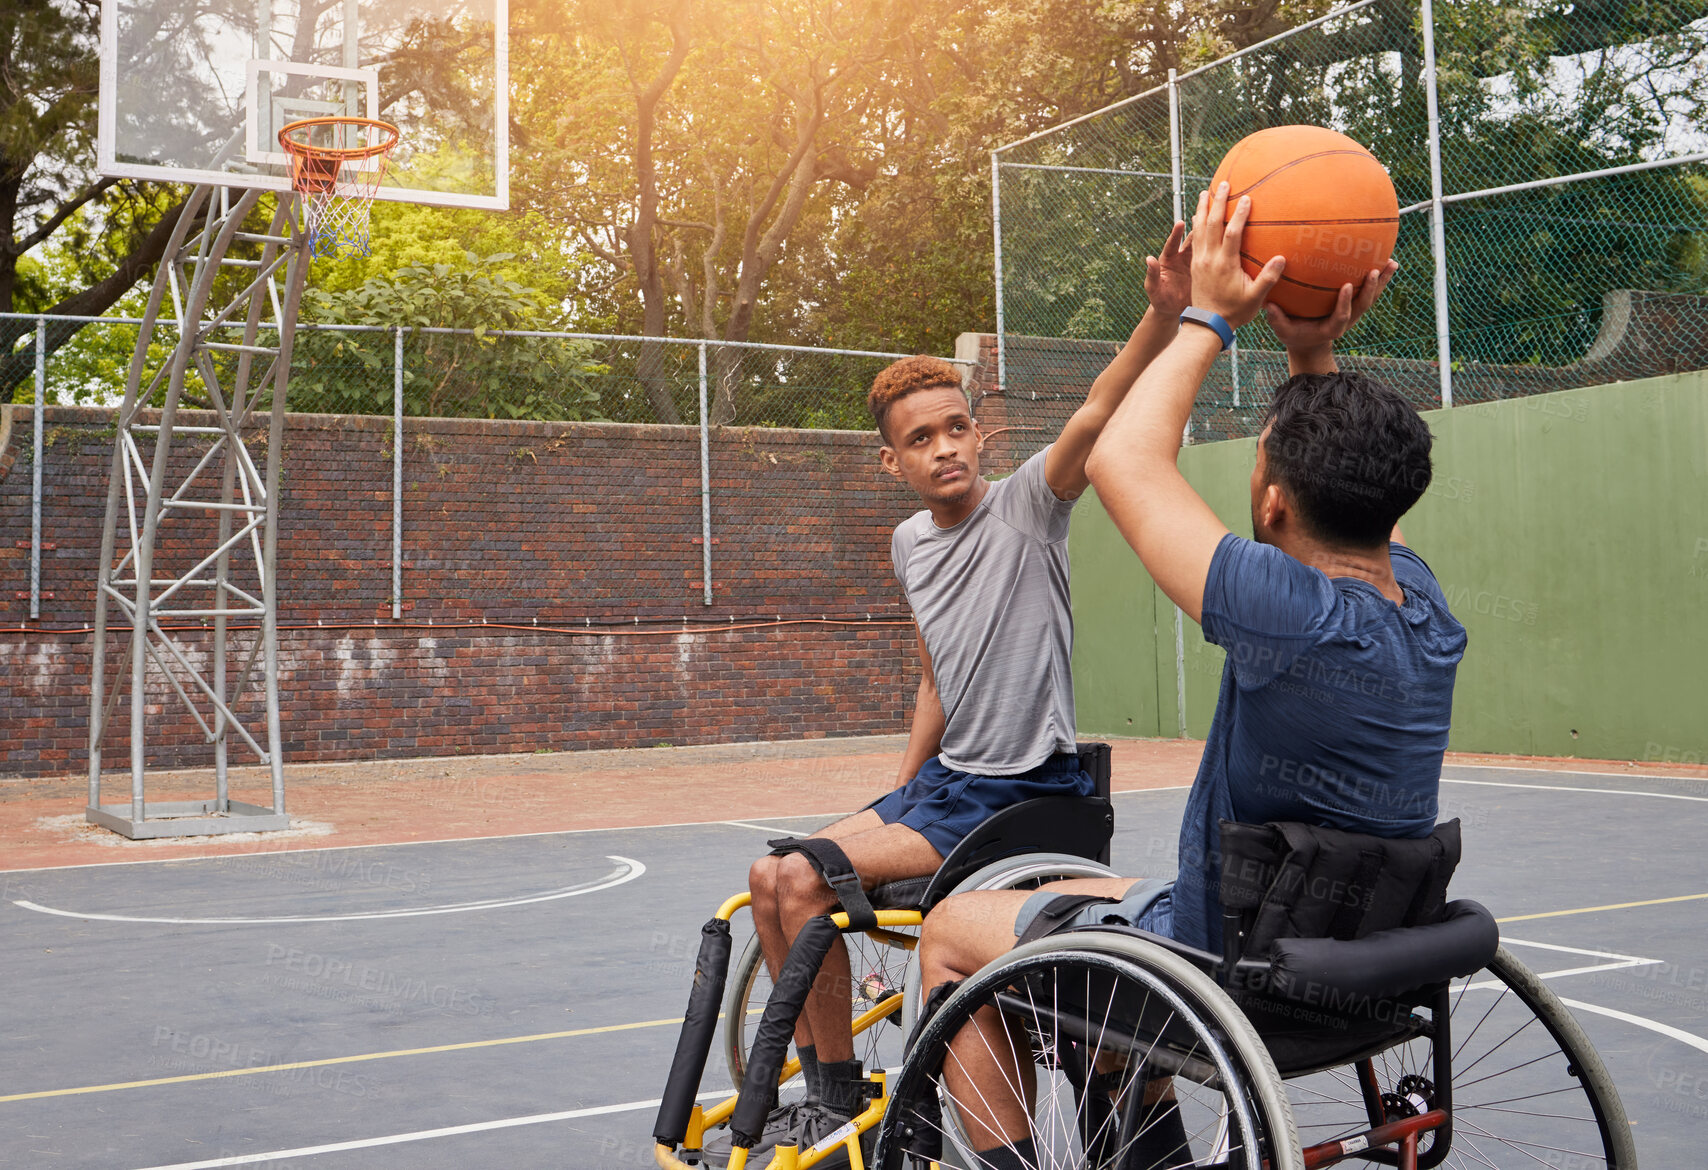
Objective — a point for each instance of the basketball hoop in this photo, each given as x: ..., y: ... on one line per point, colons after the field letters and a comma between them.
x: 336, y: 166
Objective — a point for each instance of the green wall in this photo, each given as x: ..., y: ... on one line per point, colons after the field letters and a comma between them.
x: 1569, y: 532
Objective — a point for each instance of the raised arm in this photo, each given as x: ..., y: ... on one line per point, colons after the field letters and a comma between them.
x: 1134, y: 465
x: 1168, y: 285
x: 925, y: 737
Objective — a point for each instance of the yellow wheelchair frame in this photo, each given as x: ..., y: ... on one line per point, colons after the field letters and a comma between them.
x: 700, y: 1120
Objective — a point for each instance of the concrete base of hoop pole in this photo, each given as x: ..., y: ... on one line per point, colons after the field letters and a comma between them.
x: 244, y: 380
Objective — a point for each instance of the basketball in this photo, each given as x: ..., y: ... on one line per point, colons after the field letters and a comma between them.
x: 1319, y: 199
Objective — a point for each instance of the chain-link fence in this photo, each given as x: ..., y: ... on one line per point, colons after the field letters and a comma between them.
x: 1552, y: 172
x: 461, y: 373
x: 415, y: 375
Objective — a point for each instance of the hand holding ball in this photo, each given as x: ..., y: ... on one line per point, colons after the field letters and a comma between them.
x: 1319, y: 199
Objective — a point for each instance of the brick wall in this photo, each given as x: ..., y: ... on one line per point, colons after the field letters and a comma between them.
x: 584, y: 539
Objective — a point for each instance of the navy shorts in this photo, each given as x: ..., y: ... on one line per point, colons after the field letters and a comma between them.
x: 1148, y: 904
x: 944, y: 805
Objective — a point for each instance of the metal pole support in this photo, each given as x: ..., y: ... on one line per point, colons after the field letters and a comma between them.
x: 1437, y: 219
x: 397, y: 473
x: 1174, y: 164
x: 996, y: 238
x: 36, y: 473
x: 1177, y: 170
x: 705, y: 487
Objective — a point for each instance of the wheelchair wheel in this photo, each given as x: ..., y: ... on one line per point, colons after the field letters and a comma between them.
x: 1137, y: 1061
x: 880, y: 969
x: 1527, y: 1088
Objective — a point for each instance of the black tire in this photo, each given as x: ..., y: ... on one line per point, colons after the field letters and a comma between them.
x: 1527, y: 1090
x: 1133, y: 999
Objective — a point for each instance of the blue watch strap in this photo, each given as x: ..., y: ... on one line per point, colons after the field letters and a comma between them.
x: 1209, y: 320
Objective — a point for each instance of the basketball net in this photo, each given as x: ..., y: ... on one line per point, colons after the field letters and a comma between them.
x: 337, y: 165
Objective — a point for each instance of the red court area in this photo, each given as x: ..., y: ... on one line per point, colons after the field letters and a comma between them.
x: 449, y: 798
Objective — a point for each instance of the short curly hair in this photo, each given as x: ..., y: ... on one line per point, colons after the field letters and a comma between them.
x: 907, y: 376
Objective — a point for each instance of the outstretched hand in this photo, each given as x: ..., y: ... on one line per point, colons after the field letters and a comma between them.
x: 1308, y: 334
x: 1219, y: 283
x: 1168, y: 278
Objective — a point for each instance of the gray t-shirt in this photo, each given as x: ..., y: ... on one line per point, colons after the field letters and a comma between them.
x: 991, y: 598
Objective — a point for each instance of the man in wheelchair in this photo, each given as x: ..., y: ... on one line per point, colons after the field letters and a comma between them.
x: 1341, y: 653
x: 985, y: 570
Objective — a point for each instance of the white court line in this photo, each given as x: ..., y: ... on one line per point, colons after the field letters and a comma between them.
x: 1667, y: 1030
x: 285, y: 852
x: 1679, y: 1034
x: 1564, y: 788
x: 421, y: 1135
x: 619, y: 877
x: 761, y: 828
x: 1573, y: 772
x: 1623, y: 962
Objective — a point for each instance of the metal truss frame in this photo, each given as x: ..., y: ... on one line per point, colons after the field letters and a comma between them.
x: 213, y: 293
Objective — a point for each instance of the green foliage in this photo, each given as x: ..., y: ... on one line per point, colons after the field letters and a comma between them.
x: 1529, y: 90
x: 470, y: 373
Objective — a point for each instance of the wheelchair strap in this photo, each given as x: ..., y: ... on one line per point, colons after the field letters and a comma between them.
x: 832, y: 864
x: 1057, y: 911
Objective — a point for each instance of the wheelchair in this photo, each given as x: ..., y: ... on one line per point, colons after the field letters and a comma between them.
x: 1413, y: 1040
x: 1022, y: 847
x: 1353, y: 1013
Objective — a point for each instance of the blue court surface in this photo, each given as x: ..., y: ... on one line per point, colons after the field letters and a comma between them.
x: 513, y: 1001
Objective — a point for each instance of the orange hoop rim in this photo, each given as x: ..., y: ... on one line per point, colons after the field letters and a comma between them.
x: 337, y: 153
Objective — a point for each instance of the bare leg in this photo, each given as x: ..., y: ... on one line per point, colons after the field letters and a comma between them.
x: 883, y: 854
x: 774, y: 940
x: 989, y: 1071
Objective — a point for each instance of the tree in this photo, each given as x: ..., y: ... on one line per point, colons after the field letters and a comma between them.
x: 688, y: 155
x: 470, y: 373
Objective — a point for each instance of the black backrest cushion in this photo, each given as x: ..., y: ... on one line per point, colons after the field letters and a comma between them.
x: 1291, y: 880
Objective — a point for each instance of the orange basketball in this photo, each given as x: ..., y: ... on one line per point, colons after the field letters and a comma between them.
x: 1317, y: 198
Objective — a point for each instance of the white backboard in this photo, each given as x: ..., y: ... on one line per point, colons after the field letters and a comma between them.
x: 195, y: 91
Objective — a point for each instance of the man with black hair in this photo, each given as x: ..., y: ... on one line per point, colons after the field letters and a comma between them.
x: 1341, y: 652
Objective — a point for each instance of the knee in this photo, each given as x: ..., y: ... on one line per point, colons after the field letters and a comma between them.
x: 762, y: 881
x: 944, y: 943
x: 964, y: 933
x: 797, y: 888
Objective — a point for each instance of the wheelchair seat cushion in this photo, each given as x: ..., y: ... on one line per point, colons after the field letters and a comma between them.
x: 906, y: 894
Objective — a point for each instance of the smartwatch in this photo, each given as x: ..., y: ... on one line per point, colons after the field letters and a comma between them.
x: 1209, y: 320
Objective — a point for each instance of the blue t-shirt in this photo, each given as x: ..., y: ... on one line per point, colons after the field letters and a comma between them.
x: 1334, y: 710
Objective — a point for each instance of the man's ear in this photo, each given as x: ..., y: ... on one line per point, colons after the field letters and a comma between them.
x: 1274, y: 506
x: 979, y: 432
x: 887, y: 456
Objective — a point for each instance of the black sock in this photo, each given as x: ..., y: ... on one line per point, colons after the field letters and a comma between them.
x: 810, y: 1075
x: 839, y: 1086
x: 1016, y: 1155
